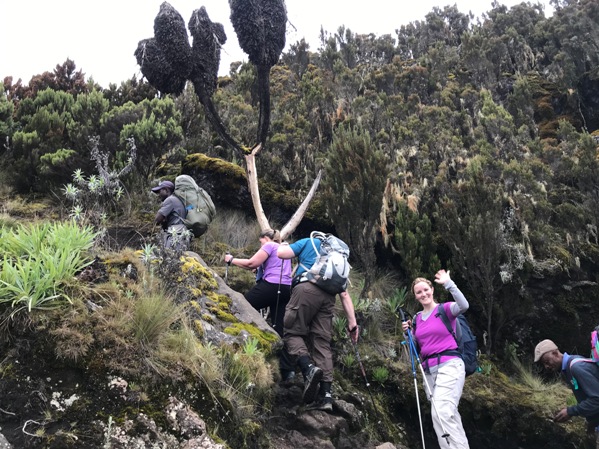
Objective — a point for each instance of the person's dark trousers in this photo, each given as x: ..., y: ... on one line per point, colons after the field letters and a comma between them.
x: 309, y: 318
x: 264, y: 294
x: 286, y: 362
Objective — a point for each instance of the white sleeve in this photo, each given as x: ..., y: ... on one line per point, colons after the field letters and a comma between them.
x: 460, y: 304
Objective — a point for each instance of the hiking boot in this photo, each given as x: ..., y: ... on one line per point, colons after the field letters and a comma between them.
x: 311, y: 382
x: 325, y: 404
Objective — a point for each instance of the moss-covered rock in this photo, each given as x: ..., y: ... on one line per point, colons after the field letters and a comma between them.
x: 266, y: 339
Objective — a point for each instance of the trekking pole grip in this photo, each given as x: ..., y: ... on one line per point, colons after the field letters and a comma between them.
x: 402, y: 314
x: 230, y: 260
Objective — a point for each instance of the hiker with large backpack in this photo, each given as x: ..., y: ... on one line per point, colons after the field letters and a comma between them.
x: 199, y: 208
x: 439, y: 352
x: 582, y: 376
x: 170, y: 217
x: 321, y: 275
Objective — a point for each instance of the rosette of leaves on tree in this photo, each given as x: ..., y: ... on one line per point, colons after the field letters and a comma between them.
x: 208, y: 38
x: 260, y: 28
x: 157, y: 69
x: 171, y: 36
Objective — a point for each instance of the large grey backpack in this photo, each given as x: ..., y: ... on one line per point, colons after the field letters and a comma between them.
x: 331, y: 269
x: 198, y: 205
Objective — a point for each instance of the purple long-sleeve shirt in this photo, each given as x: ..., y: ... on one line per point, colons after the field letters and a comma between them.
x: 432, y: 335
x: 275, y: 270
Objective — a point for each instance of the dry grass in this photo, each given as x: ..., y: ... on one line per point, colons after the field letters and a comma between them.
x: 385, y: 284
x: 546, y: 396
x: 234, y: 229
x: 22, y: 207
x: 247, y: 382
x: 181, y: 347
x: 8, y: 221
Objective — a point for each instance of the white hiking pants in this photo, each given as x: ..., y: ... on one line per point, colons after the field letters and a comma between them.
x: 447, y: 384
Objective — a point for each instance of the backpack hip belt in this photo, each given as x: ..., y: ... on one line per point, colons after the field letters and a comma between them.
x: 448, y: 352
x: 299, y: 279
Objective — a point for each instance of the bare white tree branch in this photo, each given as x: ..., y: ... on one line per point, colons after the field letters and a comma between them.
x: 301, y: 210
x: 250, y: 164
x: 252, y: 177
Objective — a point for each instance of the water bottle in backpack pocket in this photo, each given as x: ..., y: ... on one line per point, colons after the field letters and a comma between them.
x: 595, y: 345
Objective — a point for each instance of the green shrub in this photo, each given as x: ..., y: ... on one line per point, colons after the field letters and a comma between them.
x: 380, y: 374
x: 39, y: 261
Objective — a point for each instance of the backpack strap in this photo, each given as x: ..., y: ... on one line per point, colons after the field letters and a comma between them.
x: 174, y: 212
x: 414, y: 322
x: 314, y: 234
x: 571, y: 362
x: 441, y: 313
x: 319, y: 235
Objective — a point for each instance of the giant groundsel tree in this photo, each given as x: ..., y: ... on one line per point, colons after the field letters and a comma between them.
x: 168, y: 61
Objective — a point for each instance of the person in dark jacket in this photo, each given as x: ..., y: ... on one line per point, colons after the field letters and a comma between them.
x: 581, y: 374
x: 170, y: 217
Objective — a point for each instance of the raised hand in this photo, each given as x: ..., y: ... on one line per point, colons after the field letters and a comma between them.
x: 442, y: 277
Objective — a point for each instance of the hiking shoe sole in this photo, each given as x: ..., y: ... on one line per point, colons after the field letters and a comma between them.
x: 311, y: 387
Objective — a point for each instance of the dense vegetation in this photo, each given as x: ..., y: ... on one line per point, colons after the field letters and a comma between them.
x: 483, y: 134
x: 458, y: 143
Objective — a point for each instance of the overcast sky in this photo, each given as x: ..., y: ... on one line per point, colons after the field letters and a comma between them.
x: 100, y: 37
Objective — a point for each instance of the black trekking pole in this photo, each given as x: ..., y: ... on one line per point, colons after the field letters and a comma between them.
x: 364, y: 375
x: 227, y: 268
x: 415, y: 359
x: 274, y: 322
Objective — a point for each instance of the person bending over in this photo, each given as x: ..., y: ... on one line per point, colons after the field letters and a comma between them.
x: 170, y: 217
x: 272, y: 289
x: 581, y: 375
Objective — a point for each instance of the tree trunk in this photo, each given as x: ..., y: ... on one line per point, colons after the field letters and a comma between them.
x: 252, y: 177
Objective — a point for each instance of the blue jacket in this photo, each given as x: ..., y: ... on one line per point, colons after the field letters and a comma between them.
x: 304, y: 251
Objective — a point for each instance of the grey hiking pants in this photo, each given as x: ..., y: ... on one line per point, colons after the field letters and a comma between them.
x: 308, y: 322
